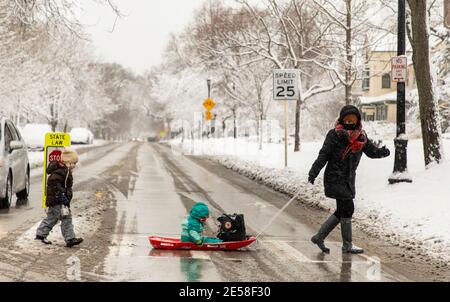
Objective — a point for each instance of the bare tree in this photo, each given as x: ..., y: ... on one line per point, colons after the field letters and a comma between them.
x: 429, y: 115
x: 292, y: 35
x: 56, y: 14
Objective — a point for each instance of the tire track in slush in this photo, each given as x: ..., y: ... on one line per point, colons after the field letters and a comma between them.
x: 257, y: 262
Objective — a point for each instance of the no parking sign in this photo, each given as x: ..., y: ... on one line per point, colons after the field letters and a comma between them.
x: 54, y: 145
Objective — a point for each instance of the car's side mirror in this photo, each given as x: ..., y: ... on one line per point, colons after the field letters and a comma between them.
x: 15, y: 145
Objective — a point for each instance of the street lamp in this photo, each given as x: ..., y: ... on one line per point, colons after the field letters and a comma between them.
x: 401, y: 142
x: 208, y: 82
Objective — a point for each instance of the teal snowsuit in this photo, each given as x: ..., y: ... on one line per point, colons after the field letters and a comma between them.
x: 192, y: 227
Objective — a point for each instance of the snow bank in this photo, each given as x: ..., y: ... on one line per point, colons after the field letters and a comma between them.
x: 415, y: 216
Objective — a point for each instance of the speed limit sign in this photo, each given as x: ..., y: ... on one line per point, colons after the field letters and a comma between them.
x: 285, y: 85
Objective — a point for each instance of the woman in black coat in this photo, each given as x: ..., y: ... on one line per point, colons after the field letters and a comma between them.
x: 341, y: 152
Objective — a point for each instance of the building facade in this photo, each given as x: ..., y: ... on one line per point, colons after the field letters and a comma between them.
x: 378, y: 97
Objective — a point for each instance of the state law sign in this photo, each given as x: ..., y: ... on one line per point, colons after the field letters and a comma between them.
x: 399, y: 69
x: 285, y: 85
x: 54, y: 145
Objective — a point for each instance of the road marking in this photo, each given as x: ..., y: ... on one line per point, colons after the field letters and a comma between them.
x: 292, y: 252
x: 289, y: 250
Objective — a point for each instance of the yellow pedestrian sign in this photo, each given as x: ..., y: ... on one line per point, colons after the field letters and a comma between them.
x: 209, y: 104
x: 54, y: 145
x: 209, y: 116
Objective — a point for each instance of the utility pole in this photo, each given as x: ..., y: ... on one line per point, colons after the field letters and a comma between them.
x: 401, y: 141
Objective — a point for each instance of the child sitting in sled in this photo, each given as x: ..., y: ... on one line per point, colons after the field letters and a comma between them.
x: 193, y: 225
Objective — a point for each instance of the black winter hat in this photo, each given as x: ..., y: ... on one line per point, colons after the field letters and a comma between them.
x: 349, y: 109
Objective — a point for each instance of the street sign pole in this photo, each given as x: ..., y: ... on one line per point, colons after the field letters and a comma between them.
x: 286, y: 88
x: 401, y: 142
x: 54, y: 145
x: 286, y: 132
x: 208, y: 83
x: 447, y: 13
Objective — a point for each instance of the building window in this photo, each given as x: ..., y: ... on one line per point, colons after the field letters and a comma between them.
x: 366, y: 80
x: 382, y: 112
x: 386, y: 81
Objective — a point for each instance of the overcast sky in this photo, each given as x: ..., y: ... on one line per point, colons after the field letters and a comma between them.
x: 140, y: 37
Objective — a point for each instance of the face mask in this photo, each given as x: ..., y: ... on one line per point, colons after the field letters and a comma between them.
x: 349, y: 126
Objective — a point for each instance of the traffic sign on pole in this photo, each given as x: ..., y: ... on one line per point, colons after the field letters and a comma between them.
x: 285, y: 85
x: 286, y: 88
x: 399, y: 69
x: 54, y: 144
x: 208, y: 115
x: 209, y: 104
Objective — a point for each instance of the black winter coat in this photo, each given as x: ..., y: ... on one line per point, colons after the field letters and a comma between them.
x: 340, y: 174
x: 60, y: 180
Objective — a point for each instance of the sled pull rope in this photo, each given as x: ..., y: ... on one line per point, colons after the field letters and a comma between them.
x: 279, y: 212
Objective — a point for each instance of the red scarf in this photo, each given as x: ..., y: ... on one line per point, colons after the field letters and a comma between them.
x: 355, y: 144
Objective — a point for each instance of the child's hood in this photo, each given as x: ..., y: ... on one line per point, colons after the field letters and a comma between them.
x: 200, y: 210
x: 56, y: 167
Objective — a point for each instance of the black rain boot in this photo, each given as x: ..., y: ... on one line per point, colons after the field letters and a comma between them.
x: 73, y: 242
x: 346, y: 230
x: 324, y: 231
x: 43, y: 239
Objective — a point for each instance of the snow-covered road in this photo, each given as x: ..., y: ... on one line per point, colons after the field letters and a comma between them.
x: 135, y: 190
x: 414, y: 216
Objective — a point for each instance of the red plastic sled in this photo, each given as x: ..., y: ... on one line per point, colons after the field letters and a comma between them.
x: 162, y: 243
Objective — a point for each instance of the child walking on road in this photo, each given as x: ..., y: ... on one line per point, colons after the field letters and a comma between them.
x: 59, y: 196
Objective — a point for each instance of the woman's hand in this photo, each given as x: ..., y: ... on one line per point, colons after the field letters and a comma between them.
x: 384, y: 152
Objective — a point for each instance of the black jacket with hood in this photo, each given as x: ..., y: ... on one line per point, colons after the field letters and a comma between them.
x: 60, y: 180
x: 340, y: 173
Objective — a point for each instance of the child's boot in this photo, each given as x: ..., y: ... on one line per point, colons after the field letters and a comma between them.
x: 43, y: 239
x: 74, y: 241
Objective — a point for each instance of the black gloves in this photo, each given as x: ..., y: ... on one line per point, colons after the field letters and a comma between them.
x: 311, y: 180
x: 62, y: 198
x: 384, y: 152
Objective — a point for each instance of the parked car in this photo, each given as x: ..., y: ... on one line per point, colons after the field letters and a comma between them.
x: 34, y: 135
x: 14, y: 165
x: 81, y: 136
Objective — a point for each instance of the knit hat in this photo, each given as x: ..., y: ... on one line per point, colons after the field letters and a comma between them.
x: 349, y: 109
x: 69, y: 156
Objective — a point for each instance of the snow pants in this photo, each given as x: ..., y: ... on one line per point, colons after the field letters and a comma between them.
x: 53, y: 216
x: 345, y: 208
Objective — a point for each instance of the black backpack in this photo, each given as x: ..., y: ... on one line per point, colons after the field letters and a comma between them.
x: 232, y: 228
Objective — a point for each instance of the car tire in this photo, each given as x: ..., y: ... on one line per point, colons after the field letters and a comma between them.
x: 25, y: 192
x: 5, y: 203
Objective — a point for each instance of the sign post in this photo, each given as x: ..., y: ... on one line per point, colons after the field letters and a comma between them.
x: 400, y: 75
x: 447, y: 13
x: 54, y: 145
x: 286, y: 132
x: 285, y: 88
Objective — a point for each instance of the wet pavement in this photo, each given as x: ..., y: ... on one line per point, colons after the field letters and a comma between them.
x: 130, y: 191
x: 165, y: 186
